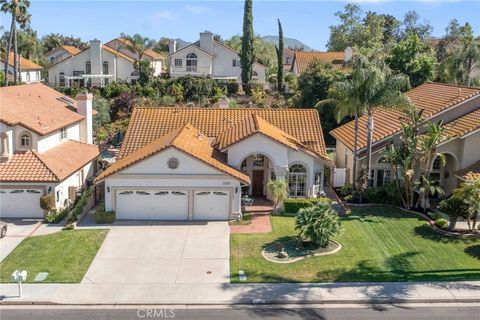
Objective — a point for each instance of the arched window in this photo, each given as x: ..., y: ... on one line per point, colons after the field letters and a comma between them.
x: 61, y: 77
x: 297, y: 180
x: 437, y: 164
x: 25, y: 140
x: 88, y: 67
x: 255, y: 76
x: 105, y: 67
x: 191, y: 62
x: 382, y: 160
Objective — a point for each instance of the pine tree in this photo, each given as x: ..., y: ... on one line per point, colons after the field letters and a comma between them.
x: 246, y: 54
x: 280, y: 57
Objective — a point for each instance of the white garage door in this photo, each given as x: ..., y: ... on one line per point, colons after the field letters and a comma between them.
x: 152, y: 204
x: 211, y: 205
x: 20, y: 203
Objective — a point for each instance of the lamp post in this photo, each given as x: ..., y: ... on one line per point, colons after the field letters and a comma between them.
x: 19, y: 276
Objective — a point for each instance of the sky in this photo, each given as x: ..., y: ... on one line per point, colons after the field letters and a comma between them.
x: 307, y: 21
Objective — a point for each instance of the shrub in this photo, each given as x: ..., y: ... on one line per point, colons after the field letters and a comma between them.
x: 102, y: 107
x: 318, y: 223
x: 436, y: 215
x: 167, y: 100
x: 102, y: 216
x: 293, y: 205
x: 232, y: 87
x: 47, y: 202
x: 441, y: 223
x: 124, y: 103
x: 346, y: 190
x: 316, y: 201
x: 454, y: 207
x: 232, y: 103
x: 259, y: 97
x: 386, y: 194
x: 114, y: 89
x: 77, y: 210
x: 278, y: 190
x: 57, y: 217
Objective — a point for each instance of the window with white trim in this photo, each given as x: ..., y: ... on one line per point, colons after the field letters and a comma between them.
x: 63, y: 133
x: 297, y: 180
x: 25, y: 140
x: 191, y: 62
x: 178, y: 63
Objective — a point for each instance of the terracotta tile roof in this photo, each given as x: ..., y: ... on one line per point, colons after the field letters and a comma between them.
x: 254, y: 124
x: 303, y: 59
x: 154, y: 55
x: 117, y: 53
x: 25, y: 64
x: 71, y: 49
x: 187, y: 139
x: 36, y: 107
x: 463, y: 125
x: 150, y: 123
x: 470, y: 173
x: 431, y: 97
x: 55, y: 165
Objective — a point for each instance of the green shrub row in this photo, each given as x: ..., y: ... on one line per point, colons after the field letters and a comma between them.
x: 441, y: 223
x: 102, y: 216
x: 293, y: 205
x: 386, y: 194
x: 77, y: 210
x: 57, y: 216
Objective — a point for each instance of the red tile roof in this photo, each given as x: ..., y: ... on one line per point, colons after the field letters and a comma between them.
x: 25, y: 64
x: 302, y: 59
x: 470, y: 173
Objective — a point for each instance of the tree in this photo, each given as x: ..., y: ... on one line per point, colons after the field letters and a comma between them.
x: 19, y: 11
x: 145, y: 71
x: 318, y: 223
x: 454, y: 207
x: 426, y: 187
x: 469, y: 192
x: 411, y: 25
x: 413, y: 57
x: 102, y: 107
x: 280, y: 57
x: 279, y: 191
x: 55, y: 40
x: 247, y: 55
x: 138, y: 45
x: 265, y: 52
x: 344, y: 34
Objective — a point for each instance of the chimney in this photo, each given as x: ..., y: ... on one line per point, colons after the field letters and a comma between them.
x: 5, y: 155
x: 206, y: 41
x: 172, y: 46
x: 85, y: 108
x: 96, y: 60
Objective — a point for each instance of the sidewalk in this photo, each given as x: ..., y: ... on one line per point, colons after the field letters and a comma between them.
x: 123, y: 294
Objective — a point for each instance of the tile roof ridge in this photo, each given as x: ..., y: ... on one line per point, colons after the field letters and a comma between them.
x: 451, y: 85
x: 39, y: 157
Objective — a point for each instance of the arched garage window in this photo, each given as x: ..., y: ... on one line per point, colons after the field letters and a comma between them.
x: 297, y: 180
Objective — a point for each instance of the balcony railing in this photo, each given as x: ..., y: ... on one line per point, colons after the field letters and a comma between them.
x: 191, y: 70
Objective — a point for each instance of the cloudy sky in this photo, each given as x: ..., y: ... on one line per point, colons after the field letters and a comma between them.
x: 307, y: 21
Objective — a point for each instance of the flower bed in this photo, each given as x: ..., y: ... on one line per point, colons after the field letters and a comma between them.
x: 270, y: 252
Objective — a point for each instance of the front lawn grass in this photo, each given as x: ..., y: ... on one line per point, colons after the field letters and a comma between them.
x: 379, y: 244
x: 65, y: 255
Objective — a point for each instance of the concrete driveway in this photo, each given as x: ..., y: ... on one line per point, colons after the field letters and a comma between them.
x: 153, y: 252
x: 18, y: 229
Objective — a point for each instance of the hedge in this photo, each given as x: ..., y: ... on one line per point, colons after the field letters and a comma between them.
x: 102, y: 216
x: 292, y: 205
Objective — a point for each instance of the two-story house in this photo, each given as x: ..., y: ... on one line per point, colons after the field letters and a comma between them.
x: 46, y: 147
x: 30, y: 72
x: 456, y: 107
x: 302, y: 59
x: 98, y: 65
x: 61, y: 53
x: 210, y: 58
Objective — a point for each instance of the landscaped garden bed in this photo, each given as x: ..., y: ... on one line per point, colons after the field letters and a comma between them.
x: 378, y: 244
x: 292, y: 252
x: 65, y: 255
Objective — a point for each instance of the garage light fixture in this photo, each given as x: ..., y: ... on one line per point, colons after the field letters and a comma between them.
x: 108, y: 189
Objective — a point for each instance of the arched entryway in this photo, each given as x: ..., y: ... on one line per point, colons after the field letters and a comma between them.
x: 260, y: 168
x: 445, y: 173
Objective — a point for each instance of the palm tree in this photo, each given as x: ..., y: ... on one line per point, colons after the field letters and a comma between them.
x: 138, y: 45
x: 19, y: 11
x: 278, y: 189
x: 425, y: 187
x: 469, y: 192
x: 372, y: 85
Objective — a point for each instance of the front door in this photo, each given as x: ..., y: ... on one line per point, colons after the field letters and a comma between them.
x: 257, y: 182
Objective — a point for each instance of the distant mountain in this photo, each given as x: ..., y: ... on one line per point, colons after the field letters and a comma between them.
x: 289, y: 42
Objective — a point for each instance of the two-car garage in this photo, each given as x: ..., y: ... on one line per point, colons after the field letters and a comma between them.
x: 173, y: 204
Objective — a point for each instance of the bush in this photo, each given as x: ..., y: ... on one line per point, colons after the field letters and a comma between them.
x: 436, y: 215
x: 232, y: 103
x: 441, y: 223
x: 102, y: 107
x: 386, y: 194
x: 114, y: 89
x: 77, y: 210
x: 346, y: 190
x: 167, y: 100
x: 102, y: 216
x: 454, y: 207
x: 57, y: 217
x: 293, y: 205
x: 47, y: 202
x: 232, y: 87
x: 318, y: 223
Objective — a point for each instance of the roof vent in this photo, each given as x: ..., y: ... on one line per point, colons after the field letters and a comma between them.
x: 66, y: 100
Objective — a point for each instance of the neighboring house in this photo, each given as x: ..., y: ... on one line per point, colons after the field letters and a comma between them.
x: 46, y: 147
x: 96, y: 66
x: 459, y: 110
x: 288, y: 55
x: 195, y: 164
x: 302, y: 59
x: 30, y: 72
x: 61, y: 53
x: 157, y: 59
x: 208, y: 57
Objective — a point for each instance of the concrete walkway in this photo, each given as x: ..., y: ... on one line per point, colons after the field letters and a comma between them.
x: 334, y: 293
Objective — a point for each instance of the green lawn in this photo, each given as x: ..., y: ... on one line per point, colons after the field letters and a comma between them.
x: 379, y: 244
x: 65, y: 255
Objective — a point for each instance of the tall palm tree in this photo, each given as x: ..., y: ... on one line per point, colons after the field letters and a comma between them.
x: 138, y: 45
x: 19, y: 11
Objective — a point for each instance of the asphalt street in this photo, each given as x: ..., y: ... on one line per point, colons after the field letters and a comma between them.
x: 370, y: 312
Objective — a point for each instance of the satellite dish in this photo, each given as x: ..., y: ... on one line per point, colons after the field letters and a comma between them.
x: 348, y: 53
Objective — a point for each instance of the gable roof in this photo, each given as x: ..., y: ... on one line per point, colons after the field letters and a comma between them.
x: 50, y: 166
x: 250, y: 125
x: 25, y: 64
x: 302, y: 59
x: 36, y: 107
x: 430, y: 97
x: 187, y: 139
x: 470, y: 173
x: 69, y: 49
x: 150, y: 123
x: 149, y: 52
x: 463, y: 125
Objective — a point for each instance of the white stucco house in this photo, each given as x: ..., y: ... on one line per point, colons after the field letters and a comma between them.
x: 210, y: 58
x: 99, y: 65
x: 46, y: 147
x: 195, y: 163
x: 456, y: 107
x: 30, y: 72
x: 61, y: 53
